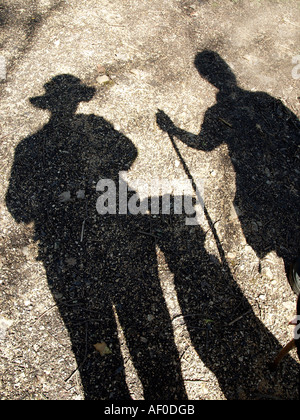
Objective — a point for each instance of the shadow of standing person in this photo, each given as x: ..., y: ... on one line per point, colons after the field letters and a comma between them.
x: 98, y: 269
x: 263, y: 140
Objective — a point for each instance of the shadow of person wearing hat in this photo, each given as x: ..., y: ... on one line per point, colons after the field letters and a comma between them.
x: 98, y: 269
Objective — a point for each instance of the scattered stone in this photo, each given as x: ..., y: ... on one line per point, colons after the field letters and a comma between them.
x: 103, y: 349
x: 102, y: 80
x: 254, y: 226
x: 71, y: 261
x: 26, y: 251
x: 58, y: 295
x: 65, y: 197
x: 268, y: 273
x: 4, y: 326
x: 231, y: 255
x: 101, y: 69
x: 80, y: 194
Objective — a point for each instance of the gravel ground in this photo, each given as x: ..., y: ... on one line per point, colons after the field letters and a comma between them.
x: 145, y: 306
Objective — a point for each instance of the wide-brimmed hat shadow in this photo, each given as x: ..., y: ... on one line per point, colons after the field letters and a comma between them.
x: 63, y: 90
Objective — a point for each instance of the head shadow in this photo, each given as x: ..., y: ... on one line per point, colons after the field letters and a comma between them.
x: 215, y: 70
x: 62, y: 96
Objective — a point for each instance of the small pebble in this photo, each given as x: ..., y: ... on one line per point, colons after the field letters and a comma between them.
x: 102, y: 80
x: 231, y: 255
x: 101, y: 69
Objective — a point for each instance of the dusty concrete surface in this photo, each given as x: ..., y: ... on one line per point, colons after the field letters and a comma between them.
x: 213, y: 303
